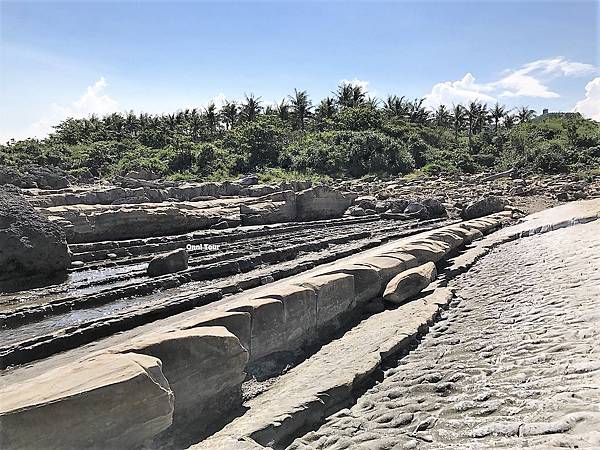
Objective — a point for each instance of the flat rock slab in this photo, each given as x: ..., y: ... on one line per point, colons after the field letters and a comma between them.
x: 110, y: 401
x: 323, y: 384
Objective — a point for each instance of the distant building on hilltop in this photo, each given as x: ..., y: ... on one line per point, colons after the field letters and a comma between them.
x: 565, y: 115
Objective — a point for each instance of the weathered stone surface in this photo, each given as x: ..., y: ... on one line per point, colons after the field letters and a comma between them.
x: 274, y: 208
x: 237, y: 323
x: 300, y: 311
x: 204, y: 367
x: 513, y: 365
x: 268, y: 332
x: 322, y: 202
x: 29, y: 243
x: 425, y: 250
x: 367, y: 282
x: 482, y: 207
x: 409, y: 283
x: 109, y: 401
x: 335, y: 296
x: 34, y: 176
x: 323, y: 384
x: 248, y: 180
x: 174, y: 261
x: 386, y: 266
x: 114, y: 222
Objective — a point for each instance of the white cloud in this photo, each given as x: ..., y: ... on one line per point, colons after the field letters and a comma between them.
x: 461, y: 91
x: 530, y: 80
x: 560, y: 66
x: 520, y: 85
x: 93, y: 101
x: 364, y: 84
x: 590, y: 105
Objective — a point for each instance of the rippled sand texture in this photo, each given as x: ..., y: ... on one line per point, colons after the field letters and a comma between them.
x: 516, y: 363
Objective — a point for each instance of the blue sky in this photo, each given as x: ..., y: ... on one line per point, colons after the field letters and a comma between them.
x: 77, y: 58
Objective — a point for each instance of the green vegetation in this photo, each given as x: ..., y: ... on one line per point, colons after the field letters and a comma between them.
x: 347, y: 134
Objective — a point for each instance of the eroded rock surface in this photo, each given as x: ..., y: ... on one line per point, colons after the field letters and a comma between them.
x: 110, y: 401
x: 29, y: 243
x: 513, y: 365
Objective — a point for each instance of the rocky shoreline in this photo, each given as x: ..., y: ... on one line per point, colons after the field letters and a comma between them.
x: 252, y: 278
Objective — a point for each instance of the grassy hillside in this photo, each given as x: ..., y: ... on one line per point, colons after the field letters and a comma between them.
x: 348, y: 134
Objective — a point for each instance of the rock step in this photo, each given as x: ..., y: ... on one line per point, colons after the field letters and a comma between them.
x: 99, y: 250
x: 270, y: 320
x: 220, y: 268
x: 111, y: 288
x: 44, y: 345
x: 324, y: 383
x: 135, y: 391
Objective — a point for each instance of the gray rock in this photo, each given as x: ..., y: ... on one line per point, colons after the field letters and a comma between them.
x: 434, y: 207
x: 220, y: 226
x: 409, y: 283
x: 142, y: 174
x: 174, y: 261
x: 482, y: 207
x: 323, y: 202
x: 416, y: 210
x: 356, y: 211
x: 366, y: 202
x: 248, y: 180
x: 29, y: 243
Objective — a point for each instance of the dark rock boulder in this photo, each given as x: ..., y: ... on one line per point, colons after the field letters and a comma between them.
x: 248, y: 180
x: 29, y: 243
x: 366, y: 202
x: 47, y: 177
x: 32, y: 176
x: 416, y: 210
x: 434, y: 207
x: 482, y: 207
x: 171, y: 262
x: 428, y: 208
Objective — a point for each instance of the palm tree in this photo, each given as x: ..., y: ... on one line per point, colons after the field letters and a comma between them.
x: 324, y: 110
x: 509, y: 121
x: 250, y: 108
x: 211, y: 118
x: 417, y: 112
x: 442, y: 116
x: 498, y: 112
x: 131, y: 123
x: 483, y: 118
x: 348, y: 95
x: 372, y: 102
x: 459, y: 115
x: 229, y: 114
x: 195, y: 124
x: 300, y: 106
x: 472, y: 113
x: 282, y: 110
x: 525, y: 114
x: 395, y: 106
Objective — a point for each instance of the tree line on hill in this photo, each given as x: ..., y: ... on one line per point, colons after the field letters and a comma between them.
x: 345, y: 134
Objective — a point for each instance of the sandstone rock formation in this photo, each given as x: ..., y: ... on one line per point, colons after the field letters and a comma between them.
x: 322, y: 202
x: 272, y: 208
x: 204, y: 367
x: 409, y: 283
x: 174, y: 261
x: 109, y: 401
x: 482, y: 207
x: 29, y: 243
